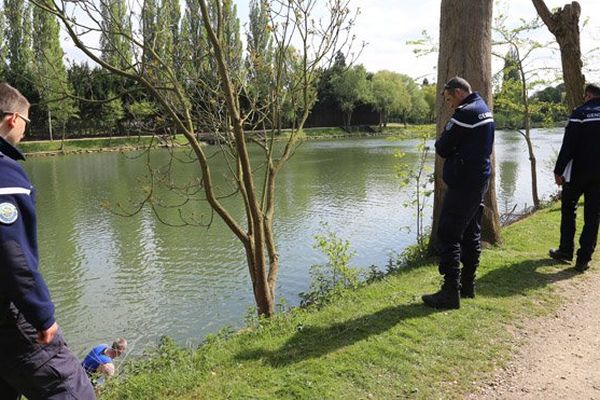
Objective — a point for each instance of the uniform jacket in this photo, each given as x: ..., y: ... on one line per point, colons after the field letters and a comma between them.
x: 466, y: 144
x: 20, y: 281
x: 581, y: 144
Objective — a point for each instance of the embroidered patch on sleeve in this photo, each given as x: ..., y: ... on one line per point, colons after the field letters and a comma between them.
x: 8, y: 213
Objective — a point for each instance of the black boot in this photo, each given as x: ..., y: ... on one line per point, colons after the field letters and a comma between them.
x: 446, y: 298
x: 467, y: 288
x: 559, y: 255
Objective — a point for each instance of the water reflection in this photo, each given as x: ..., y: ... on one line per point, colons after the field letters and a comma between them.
x: 135, y: 277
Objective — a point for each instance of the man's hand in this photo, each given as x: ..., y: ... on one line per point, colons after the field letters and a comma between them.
x: 560, y: 180
x: 45, y: 337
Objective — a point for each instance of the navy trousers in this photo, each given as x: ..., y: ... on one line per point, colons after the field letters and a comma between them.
x: 459, y: 233
x: 38, y: 371
x: 571, y: 193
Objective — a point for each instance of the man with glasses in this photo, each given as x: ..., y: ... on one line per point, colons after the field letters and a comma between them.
x: 34, y: 358
x: 466, y: 145
x: 577, y: 170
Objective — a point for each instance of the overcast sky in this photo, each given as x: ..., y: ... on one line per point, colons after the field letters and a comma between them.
x: 386, y: 26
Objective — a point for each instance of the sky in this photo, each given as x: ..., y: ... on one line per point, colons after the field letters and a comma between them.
x: 386, y: 26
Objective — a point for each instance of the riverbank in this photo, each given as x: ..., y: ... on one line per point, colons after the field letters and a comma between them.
x: 376, y: 342
x: 119, y: 143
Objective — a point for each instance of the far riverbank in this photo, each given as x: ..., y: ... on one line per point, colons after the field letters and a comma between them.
x: 129, y: 143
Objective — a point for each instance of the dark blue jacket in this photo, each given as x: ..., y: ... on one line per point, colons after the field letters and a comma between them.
x: 20, y: 281
x: 466, y: 144
x: 581, y: 144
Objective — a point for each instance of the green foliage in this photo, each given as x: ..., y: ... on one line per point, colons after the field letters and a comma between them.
x: 116, y: 28
x: 351, y: 88
x: 51, y: 75
x: 329, y: 280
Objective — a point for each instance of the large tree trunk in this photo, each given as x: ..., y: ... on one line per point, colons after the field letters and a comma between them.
x: 465, y: 50
x: 564, y: 25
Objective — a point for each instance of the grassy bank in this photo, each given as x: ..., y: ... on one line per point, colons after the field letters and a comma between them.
x: 46, y: 147
x: 377, y: 342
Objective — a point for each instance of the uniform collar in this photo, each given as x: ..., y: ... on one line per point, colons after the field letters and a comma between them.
x: 10, y: 150
x: 470, y: 98
x: 595, y: 100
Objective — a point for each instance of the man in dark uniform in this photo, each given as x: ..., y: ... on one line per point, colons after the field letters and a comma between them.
x: 34, y: 358
x: 577, y: 170
x: 466, y: 145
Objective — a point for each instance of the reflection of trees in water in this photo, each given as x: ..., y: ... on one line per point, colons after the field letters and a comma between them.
x: 508, y: 184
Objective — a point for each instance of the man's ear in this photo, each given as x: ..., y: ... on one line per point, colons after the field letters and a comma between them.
x: 11, y: 120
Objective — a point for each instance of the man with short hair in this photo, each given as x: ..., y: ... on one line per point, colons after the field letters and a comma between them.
x: 99, y: 359
x: 34, y: 358
x: 577, y: 170
x: 466, y: 145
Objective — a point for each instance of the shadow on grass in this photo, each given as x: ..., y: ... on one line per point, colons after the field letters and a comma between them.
x: 521, y: 277
x: 316, y: 341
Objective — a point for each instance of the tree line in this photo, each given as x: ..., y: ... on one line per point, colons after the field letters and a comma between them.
x: 78, y: 99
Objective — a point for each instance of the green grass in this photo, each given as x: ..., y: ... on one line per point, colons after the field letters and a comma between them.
x: 82, y: 145
x: 377, y: 342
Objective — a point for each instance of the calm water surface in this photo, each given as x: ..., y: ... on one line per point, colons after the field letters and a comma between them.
x: 138, y: 278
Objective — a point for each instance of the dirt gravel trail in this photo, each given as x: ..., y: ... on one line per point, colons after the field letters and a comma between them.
x: 560, y: 354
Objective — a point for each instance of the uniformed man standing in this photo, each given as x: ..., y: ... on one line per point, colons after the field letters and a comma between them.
x: 34, y: 358
x: 466, y: 145
x: 578, y: 171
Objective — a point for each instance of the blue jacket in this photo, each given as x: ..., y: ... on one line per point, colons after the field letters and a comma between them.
x: 466, y: 144
x: 20, y: 281
x: 581, y: 144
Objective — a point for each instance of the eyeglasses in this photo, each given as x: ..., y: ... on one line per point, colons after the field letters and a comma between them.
x: 27, y: 120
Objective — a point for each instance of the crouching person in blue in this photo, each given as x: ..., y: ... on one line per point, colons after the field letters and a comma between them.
x: 466, y: 145
x: 99, y: 361
x: 34, y: 358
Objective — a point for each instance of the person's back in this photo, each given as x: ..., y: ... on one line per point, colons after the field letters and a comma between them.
x: 586, y: 155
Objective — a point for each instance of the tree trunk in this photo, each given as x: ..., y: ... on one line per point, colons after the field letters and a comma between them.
x: 564, y: 25
x: 465, y: 50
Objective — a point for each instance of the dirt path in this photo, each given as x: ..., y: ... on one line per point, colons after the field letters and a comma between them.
x: 560, y: 358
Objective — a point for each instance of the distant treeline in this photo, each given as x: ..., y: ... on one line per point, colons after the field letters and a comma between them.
x: 79, y: 100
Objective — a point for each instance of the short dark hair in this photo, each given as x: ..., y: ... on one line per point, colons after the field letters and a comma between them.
x: 457, y: 83
x: 593, y: 89
x: 11, y: 100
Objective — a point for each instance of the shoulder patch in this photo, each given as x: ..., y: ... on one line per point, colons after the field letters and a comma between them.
x: 8, y: 213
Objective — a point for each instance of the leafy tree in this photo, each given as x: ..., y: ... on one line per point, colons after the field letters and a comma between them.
x: 318, y: 38
x: 430, y: 96
x: 350, y: 88
x: 2, y: 46
x: 260, y: 54
x: 390, y: 95
x: 19, y: 51
x: 115, y: 47
x: 51, y: 75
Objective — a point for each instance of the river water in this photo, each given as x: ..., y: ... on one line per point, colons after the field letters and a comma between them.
x: 136, y: 277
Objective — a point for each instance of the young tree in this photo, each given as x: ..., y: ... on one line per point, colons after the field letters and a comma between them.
x: 319, y: 36
x: 470, y: 24
x: 564, y: 25
x: 514, y: 98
